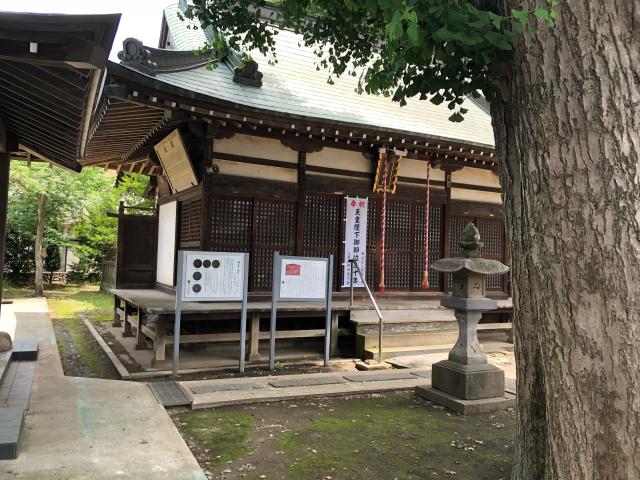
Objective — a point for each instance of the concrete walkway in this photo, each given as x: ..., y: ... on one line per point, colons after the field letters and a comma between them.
x: 82, y: 428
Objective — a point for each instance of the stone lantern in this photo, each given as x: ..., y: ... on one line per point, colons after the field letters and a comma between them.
x: 466, y: 382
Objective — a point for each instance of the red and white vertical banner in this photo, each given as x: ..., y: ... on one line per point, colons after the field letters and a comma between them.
x: 355, y: 239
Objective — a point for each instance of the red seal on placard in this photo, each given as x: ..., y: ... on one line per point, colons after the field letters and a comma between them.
x: 292, y: 269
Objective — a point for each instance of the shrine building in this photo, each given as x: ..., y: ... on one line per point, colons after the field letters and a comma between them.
x: 260, y: 157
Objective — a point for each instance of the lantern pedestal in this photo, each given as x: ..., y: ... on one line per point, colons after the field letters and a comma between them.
x: 460, y: 405
x: 466, y: 382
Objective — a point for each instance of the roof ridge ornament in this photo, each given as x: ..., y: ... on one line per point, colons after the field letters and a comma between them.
x: 245, y: 69
x: 136, y: 56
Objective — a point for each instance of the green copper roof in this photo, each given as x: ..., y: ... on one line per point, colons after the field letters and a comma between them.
x: 294, y: 86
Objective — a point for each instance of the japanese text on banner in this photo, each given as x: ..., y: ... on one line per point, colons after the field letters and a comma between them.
x: 355, y: 239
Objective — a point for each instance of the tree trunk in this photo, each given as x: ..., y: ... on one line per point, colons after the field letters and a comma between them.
x: 39, y: 284
x: 568, y: 134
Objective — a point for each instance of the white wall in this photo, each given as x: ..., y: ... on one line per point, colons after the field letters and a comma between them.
x: 257, y: 147
x: 340, y: 159
x: 166, y: 243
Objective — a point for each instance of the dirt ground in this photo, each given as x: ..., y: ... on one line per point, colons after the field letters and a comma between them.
x: 382, y: 437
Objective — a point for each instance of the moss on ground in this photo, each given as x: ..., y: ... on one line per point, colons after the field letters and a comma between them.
x: 397, y: 438
x: 385, y: 437
x: 218, y: 436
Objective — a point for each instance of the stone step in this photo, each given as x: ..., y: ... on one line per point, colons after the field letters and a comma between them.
x: 390, y: 352
x: 363, y: 317
x: 408, y: 339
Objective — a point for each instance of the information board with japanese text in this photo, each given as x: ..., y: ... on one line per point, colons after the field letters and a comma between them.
x: 213, y: 276
x: 303, y: 278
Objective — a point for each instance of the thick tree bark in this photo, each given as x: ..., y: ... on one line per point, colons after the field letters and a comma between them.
x: 39, y: 283
x: 568, y: 134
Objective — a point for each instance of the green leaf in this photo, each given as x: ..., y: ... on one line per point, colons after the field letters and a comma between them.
x: 520, y: 16
x: 414, y: 34
x: 495, y: 19
x: 541, y: 13
x: 394, y: 27
x: 456, y: 117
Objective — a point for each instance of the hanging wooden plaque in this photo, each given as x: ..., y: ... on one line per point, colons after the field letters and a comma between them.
x: 175, y: 162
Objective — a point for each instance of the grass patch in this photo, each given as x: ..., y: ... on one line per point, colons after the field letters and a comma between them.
x: 396, y: 438
x: 215, y: 437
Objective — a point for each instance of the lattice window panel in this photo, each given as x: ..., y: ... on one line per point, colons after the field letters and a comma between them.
x: 492, y: 235
x: 274, y: 230
x: 397, y: 273
x: 373, y: 237
x: 399, y: 235
x: 323, y: 216
x: 231, y: 224
x: 322, y: 230
x: 435, y: 245
x: 398, y: 244
x: 190, y: 222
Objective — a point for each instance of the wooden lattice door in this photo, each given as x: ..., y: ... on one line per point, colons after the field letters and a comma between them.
x: 436, y: 245
x: 323, y: 233
x: 274, y: 230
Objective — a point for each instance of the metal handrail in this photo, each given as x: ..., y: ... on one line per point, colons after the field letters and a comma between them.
x: 354, y: 264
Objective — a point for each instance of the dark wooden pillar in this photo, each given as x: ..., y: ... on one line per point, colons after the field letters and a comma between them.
x: 7, y: 144
x: 302, y: 192
x: 207, y: 190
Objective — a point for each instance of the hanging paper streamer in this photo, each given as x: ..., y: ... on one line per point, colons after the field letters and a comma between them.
x: 383, y: 215
x: 425, y: 273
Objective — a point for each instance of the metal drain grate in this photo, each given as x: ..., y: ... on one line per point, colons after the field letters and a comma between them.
x: 169, y: 394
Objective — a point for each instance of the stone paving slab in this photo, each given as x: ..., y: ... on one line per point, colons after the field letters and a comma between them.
x: 305, y: 382
x: 425, y: 374
x: 299, y: 386
x: 226, y: 387
x: 379, y: 377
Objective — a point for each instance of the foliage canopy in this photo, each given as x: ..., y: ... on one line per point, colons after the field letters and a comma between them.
x: 75, y: 214
x: 443, y: 50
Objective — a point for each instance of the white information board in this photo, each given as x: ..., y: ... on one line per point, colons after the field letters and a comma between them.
x: 165, y: 261
x: 213, y: 276
x: 303, y: 279
x: 355, y: 240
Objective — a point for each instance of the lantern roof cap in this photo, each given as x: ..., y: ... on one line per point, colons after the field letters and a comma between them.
x: 470, y: 245
x: 484, y: 266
